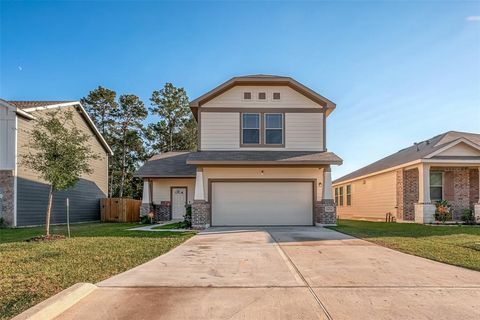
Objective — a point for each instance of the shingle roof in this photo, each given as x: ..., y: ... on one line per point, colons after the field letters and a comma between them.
x: 263, y: 157
x: 169, y: 164
x: 35, y: 104
x: 412, y: 153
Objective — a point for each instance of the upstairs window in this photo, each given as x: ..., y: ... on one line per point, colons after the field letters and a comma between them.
x: 247, y: 96
x: 349, y: 195
x: 262, y: 96
x: 436, y: 186
x: 273, y: 128
x: 276, y: 96
x: 250, y: 128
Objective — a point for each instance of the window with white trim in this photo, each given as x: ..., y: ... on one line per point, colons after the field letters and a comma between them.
x: 250, y: 128
x: 436, y: 186
x: 349, y: 194
x: 273, y: 128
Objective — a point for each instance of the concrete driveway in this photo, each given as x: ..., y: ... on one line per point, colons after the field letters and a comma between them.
x: 284, y: 273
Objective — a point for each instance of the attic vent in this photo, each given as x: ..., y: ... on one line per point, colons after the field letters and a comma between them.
x: 247, y: 95
x: 262, y: 96
x: 276, y: 96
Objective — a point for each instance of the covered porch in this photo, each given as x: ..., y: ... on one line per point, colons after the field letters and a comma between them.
x: 436, y: 180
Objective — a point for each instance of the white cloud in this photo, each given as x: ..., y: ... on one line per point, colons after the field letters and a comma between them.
x: 473, y: 18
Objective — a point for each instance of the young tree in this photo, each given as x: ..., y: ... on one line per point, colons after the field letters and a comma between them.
x: 60, y: 154
x: 128, y: 134
x: 176, y: 129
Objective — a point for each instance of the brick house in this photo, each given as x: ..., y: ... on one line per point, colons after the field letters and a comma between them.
x: 409, y: 182
x: 261, y: 159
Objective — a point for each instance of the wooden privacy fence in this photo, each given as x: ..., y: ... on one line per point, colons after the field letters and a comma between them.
x: 120, y: 209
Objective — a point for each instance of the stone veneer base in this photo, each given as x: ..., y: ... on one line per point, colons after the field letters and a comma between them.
x: 200, y: 214
x: 7, y: 181
x: 325, y: 212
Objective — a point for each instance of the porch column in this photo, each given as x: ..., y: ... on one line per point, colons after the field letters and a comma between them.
x: 327, y: 184
x: 477, y: 205
x: 325, y: 210
x: 200, y: 207
x: 146, y: 199
x: 199, y: 192
x: 424, y: 209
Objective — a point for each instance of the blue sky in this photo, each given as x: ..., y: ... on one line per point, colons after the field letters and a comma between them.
x: 399, y: 71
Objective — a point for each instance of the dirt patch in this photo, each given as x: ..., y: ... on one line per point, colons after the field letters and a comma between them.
x: 51, y: 237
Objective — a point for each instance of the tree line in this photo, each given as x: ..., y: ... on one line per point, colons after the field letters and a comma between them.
x: 121, y: 122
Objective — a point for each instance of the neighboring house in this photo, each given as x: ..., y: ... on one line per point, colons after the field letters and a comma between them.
x: 408, y: 183
x: 261, y: 159
x: 23, y: 194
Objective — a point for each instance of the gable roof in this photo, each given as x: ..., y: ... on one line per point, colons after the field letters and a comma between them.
x: 26, y: 107
x: 417, y: 151
x: 166, y: 165
x: 262, y: 79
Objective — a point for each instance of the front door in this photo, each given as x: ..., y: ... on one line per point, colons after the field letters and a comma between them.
x: 179, y: 201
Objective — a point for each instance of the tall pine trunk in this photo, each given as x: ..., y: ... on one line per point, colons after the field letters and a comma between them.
x: 122, y: 179
x: 49, y: 211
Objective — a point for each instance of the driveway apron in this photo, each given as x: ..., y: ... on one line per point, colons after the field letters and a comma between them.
x: 284, y: 273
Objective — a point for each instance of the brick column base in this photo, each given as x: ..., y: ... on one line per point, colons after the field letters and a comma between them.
x: 325, y: 213
x: 7, y: 197
x: 200, y: 214
x: 145, y: 208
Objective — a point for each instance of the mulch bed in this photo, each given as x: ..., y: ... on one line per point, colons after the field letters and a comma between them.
x: 51, y: 237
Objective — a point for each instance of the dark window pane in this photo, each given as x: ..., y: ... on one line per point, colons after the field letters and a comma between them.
x: 247, y: 95
x: 276, y: 96
x: 273, y: 136
x: 273, y: 121
x: 436, y: 193
x: 251, y: 121
x: 251, y: 136
x: 349, y: 200
x: 262, y: 96
x: 435, y: 178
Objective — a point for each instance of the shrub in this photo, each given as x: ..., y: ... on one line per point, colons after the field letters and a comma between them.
x: 187, y: 218
x: 442, y: 211
x: 147, y: 219
x: 468, y: 217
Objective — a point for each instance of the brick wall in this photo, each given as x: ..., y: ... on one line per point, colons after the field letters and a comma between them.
x: 410, y: 193
x: 399, y: 193
x: 473, y: 174
x: 461, y: 189
x: 7, y: 196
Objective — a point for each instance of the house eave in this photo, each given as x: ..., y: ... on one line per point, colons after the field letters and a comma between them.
x: 260, y: 163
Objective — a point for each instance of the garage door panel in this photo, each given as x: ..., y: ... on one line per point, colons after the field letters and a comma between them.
x: 262, y: 203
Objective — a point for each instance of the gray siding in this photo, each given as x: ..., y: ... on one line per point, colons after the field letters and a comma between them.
x: 32, y: 198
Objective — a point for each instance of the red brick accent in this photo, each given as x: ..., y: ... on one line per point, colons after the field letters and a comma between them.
x: 474, y: 187
x: 410, y: 193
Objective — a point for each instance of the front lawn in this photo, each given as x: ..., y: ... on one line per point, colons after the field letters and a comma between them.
x: 175, y: 225
x: 31, y: 272
x: 457, y: 245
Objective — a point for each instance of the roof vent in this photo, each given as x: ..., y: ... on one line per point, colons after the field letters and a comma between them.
x: 416, y: 144
x: 428, y: 142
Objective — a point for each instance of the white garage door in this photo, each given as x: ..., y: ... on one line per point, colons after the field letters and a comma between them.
x: 262, y: 203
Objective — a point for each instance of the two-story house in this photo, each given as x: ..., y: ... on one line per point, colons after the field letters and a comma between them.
x: 261, y: 159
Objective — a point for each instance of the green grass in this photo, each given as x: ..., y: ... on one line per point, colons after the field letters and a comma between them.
x: 32, y: 272
x: 175, y: 225
x: 456, y: 245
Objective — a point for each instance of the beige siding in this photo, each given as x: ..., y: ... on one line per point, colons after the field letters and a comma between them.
x: 461, y: 149
x: 304, y: 131
x: 372, y: 197
x: 289, y: 98
x: 100, y: 166
x: 220, y: 130
x: 161, y: 189
x: 7, y: 138
x: 268, y: 173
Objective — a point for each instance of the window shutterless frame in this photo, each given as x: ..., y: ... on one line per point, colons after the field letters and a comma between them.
x: 266, y: 127
x: 259, y: 115
x: 262, y: 139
